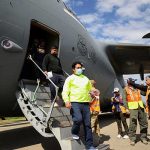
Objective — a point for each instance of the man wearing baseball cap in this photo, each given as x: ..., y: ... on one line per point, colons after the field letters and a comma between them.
x: 133, y: 102
x: 145, y: 88
x: 117, y: 105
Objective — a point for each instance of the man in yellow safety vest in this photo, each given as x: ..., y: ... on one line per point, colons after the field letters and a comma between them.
x: 145, y: 88
x: 133, y: 102
x: 77, y: 98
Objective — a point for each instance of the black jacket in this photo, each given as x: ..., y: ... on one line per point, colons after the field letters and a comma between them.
x: 52, y: 63
x: 142, y: 88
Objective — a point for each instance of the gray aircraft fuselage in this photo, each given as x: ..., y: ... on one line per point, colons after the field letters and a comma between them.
x: 74, y: 44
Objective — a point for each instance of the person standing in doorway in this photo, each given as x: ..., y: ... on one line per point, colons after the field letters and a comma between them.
x: 38, y: 52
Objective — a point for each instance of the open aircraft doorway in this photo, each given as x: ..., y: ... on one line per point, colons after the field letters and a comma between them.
x: 41, y: 39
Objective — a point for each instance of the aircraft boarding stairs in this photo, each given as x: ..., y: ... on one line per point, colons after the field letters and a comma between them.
x: 34, y: 101
x: 48, y: 120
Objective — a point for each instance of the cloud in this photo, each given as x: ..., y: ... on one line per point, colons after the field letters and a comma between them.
x: 79, y: 3
x: 108, y: 5
x: 88, y: 18
x: 123, y: 20
x: 74, y: 3
x: 116, y: 20
x: 123, y: 8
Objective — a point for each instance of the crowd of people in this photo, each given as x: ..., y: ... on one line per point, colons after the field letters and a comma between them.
x: 83, y: 99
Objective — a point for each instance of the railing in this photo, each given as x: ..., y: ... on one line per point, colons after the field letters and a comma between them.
x: 56, y: 88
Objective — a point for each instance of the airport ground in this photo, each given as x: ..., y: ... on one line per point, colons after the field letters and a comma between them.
x: 22, y: 136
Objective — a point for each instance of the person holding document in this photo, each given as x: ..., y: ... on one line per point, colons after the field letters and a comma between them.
x: 52, y: 68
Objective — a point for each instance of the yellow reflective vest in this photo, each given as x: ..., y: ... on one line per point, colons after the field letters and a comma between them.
x: 77, y: 89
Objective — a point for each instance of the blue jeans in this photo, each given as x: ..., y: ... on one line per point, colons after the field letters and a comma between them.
x: 81, y: 114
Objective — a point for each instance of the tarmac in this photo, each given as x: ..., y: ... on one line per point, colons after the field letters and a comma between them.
x: 22, y: 136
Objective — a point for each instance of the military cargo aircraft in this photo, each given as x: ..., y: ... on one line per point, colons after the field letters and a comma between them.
x: 23, y: 21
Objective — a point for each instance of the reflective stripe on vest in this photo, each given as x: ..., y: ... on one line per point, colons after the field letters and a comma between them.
x: 95, y: 105
x: 134, y: 98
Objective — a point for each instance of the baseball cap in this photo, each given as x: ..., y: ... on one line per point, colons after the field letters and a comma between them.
x: 116, y: 90
x: 131, y: 79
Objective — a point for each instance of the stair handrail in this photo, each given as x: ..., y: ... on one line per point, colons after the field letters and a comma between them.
x: 56, y: 87
x: 25, y: 95
x: 30, y: 57
x: 33, y: 97
x: 66, y: 73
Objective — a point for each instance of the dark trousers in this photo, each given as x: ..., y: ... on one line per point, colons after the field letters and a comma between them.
x: 120, y: 118
x: 81, y: 114
x: 140, y: 115
x: 57, y: 80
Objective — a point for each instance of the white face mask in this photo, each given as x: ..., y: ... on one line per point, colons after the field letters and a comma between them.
x: 78, y: 71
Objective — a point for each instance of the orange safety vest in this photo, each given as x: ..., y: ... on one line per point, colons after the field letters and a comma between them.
x: 133, y: 98
x: 95, y: 105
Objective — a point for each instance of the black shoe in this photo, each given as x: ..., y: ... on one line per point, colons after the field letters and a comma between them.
x: 148, y: 140
x: 144, y: 141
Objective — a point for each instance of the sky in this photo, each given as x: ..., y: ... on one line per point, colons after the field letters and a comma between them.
x: 124, y: 21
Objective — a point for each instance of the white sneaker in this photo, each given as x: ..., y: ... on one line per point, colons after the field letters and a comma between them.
x: 125, y: 137
x: 55, y: 105
x: 119, y: 136
x: 75, y: 137
x: 92, y: 148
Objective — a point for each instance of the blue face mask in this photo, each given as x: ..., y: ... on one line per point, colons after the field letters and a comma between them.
x: 79, y: 71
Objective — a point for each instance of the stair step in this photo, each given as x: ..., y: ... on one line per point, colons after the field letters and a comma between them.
x: 34, y: 115
x: 70, y: 144
x: 62, y: 133
x: 64, y: 137
x: 43, y: 103
x: 60, y: 111
x: 65, y: 133
x: 42, y: 96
